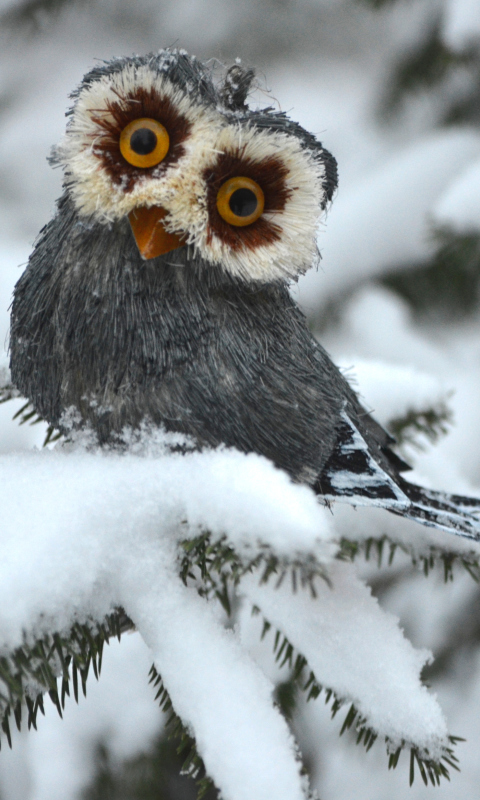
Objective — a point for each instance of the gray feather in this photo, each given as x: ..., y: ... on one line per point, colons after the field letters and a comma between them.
x: 173, y: 340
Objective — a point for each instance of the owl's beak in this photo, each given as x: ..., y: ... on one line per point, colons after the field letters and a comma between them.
x: 150, y: 235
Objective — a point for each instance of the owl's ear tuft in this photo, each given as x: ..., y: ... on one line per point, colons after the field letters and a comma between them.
x: 330, y: 182
x: 237, y: 84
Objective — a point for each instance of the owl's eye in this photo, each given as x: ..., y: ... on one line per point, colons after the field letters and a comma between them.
x: 240, y: 201
x: 144, y: 142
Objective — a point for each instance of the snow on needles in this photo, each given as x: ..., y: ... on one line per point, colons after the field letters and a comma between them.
x: 357, y: 650
x: 84, y: 532
x: 66, y: 514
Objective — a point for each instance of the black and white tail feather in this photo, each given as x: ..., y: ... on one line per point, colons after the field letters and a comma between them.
x: 356, y: 475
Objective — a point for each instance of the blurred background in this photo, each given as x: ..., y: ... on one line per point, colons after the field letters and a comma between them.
x: 392, y: 88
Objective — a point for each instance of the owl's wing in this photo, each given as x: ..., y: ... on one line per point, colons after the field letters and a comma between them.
x: 363, y: 470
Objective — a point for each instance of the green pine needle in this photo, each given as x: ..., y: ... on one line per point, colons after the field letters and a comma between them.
x: 216, y: 568
x: 186, y: 746
x: 32, y: 670
x: 376, y: 547
x: 429, y: 423
x: 285, y: 654
x: 27, y: 414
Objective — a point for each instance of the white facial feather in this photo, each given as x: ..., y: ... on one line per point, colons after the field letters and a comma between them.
x: 91, y: 187
x: 181, y: 188
x: 296, y: 249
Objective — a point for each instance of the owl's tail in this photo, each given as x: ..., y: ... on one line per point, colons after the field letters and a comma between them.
x: 362, y: 475
x: 449, y: 512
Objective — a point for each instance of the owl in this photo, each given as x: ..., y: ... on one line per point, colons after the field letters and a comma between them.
x: 159, y: 292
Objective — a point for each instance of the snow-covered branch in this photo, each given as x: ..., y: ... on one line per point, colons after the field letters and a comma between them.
x: 86, y: 532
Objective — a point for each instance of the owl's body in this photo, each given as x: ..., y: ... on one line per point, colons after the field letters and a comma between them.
x: 203, y: 338
x: 177, y: 343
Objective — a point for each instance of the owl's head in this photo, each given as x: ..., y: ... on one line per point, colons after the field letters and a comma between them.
x: 155, y: 140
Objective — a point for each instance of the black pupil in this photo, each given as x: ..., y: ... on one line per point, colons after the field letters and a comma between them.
x: 143, y: 141
x: 243, y: 202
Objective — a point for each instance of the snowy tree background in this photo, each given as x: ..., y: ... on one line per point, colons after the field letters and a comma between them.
x: 393, y: 90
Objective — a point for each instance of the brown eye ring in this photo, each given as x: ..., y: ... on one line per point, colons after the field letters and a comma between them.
x: 240, y: 201
x: 144, y: 142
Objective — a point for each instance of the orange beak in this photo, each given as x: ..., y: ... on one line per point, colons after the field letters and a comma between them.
x: 150, y: 235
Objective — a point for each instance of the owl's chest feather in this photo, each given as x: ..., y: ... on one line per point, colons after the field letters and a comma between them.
x: 172, y: 342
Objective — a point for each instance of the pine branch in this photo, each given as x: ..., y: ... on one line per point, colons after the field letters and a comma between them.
x: 32, y: 670
x: 217, y: 568
x: 383, y: 549
x: 285, y: 655
x: 448, y: 285
x: 431, y: 423
x: 27, y: 414
x: 193, y: 765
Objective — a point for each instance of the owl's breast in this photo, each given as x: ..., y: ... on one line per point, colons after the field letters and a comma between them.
x: 172, y: 342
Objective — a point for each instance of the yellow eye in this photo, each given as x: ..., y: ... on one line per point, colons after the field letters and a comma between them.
x: 240, y: 201
x: 144, y: 142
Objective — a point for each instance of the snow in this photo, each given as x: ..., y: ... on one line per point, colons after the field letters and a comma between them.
x: 391, y: 390
x: 459, y: 206
x: 66, y: 498
x: 461, y: 23
x: 356, y: 649
x: 58, y: 760
x: 214, y: 686
x: 85, y: 532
